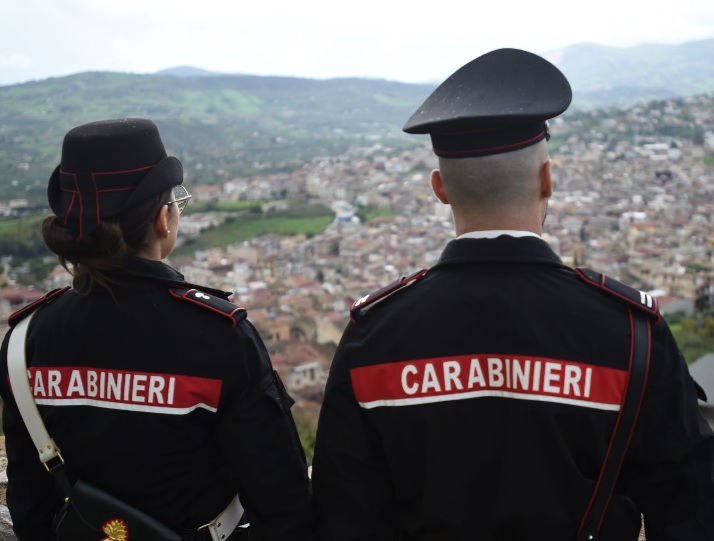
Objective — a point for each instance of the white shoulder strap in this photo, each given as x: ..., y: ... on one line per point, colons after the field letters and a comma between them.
x: 17, y: 370
x: 219, y: 528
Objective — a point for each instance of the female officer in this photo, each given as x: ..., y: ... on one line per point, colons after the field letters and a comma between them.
x: 157, y: 391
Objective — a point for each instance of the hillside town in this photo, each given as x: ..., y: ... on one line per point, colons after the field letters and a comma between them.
x: 640, y: 210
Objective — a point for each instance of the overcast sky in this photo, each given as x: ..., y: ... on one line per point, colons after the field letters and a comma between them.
x: 401, y: 40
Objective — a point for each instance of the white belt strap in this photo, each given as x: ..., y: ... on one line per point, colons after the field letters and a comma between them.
x: 19, y: 379
x: 220, y: 527
x: 223, y: 525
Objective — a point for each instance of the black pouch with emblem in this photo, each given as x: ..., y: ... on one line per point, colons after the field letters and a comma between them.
x: 90, y: 514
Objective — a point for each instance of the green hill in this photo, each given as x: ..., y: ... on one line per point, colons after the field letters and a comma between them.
x: 221, y: 127
x: 228, y: 126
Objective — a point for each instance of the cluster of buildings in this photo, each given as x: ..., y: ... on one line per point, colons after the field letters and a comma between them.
x: 640, y: 210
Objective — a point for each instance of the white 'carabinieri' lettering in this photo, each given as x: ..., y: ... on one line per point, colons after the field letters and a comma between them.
x: 497, y: 373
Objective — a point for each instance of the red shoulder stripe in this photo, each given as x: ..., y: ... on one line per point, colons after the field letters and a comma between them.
x: 360, y: 306
x: 22, y: 312
x: 634, y: 297
x: 211, y: 302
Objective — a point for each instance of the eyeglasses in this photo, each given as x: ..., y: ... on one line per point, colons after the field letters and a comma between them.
x: 181, y: 197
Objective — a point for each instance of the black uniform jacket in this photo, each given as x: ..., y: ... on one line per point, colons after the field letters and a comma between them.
x: 478, y: 403
x: 165, y: 397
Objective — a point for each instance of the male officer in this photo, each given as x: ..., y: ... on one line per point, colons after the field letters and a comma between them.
x: 479, y: 402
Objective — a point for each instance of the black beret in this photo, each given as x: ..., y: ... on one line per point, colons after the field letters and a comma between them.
x: 107, y: 167
x: 499, y: 102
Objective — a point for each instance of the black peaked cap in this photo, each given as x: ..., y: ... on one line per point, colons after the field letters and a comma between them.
x: 496, y: 103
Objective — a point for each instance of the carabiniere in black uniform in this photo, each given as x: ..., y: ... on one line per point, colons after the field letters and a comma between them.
x: 165, y: 396
x: 433, y: 367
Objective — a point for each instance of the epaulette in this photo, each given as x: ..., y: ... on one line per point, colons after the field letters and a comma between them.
x: 26, y: 310
x: 360, y: 306
x: 632, y: 296
x: 211, y: 302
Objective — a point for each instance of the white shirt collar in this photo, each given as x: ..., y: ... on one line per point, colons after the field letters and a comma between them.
x: 492, y: 234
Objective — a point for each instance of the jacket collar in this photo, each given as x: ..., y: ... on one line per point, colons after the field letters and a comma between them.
x: 504, y: 249
x: 151, y: 268
x: 138, y: 268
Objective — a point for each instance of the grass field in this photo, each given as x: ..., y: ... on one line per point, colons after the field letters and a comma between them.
x: 22, y: 227
x: 247, y: 227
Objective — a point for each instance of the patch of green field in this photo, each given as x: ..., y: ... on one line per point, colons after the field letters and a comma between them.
x: 21, y: 227
x: 244, y: 228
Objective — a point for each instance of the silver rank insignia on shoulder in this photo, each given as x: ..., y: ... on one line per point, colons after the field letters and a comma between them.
x: 629, y: 294
x: 361, y: 305
x: 211, y: 302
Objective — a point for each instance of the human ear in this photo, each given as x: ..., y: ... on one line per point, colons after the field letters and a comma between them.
x: 161, y: 222
x: 437, y: 186
x: 546, y: 179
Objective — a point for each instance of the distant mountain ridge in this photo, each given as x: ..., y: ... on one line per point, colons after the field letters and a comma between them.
x: 190, y: 71
x: 604, y: 76
x: 226, y: 126
x: 618, y: 77
x: 221, y: 127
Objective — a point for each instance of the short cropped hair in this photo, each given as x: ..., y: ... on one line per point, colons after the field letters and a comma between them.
x: 495, y: 181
